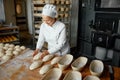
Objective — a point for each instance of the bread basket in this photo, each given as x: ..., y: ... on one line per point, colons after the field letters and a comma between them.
x: 65, y: 61
x: 73, y: 75
x: 53, y: 74
x: 79, y: 63
x: 96, y: 67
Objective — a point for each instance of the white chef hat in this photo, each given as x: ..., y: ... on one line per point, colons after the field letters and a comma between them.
x: 49, y: 10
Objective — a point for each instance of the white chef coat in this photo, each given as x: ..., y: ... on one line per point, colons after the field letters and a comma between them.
x: 55, y: 36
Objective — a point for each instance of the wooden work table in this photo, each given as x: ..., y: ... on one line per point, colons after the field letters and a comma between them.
x: 18, y: 69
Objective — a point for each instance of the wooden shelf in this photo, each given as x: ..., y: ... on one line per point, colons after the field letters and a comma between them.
x: 9, y: 34
x: 8, y: 28
x: 15, y: 32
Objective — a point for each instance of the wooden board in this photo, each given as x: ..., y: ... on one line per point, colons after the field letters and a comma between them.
x: 18, y: 69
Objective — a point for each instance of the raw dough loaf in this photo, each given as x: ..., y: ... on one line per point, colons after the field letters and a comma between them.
x: 45, y: 68
x: 47, y: 58
x: 37, y: 56
x: 22, y: 47
x: 35, y: 65
x: 55, y: 60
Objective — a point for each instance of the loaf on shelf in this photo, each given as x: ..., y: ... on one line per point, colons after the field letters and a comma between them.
x: 10, y: 38
x: 9, y: 34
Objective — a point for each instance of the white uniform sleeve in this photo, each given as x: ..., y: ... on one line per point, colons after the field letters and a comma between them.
x: 60, y: 43
x: 41, y: 38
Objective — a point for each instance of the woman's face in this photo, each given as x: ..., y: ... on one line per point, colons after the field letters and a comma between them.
x: 48, y: 20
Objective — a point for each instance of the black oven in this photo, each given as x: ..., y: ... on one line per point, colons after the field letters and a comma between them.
x: 107, y: 5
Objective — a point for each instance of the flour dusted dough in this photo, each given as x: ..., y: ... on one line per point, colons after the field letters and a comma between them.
x: 37, y: 56
x: 1, y: 54
x: 55, y: 60
x: 15, y: 52
x: 1, y: 50
x: 35, y: 65
x: 10, y: 49
x: 11, y: 45
x: 1, y: 44
x: 22, y: 47
x: 17, y: 46
x: 6, y: 57
x: 45, y: 68
x: 47, y: 58
x: 6, y: 45
x: 9, y: 53
x: 18, y: 49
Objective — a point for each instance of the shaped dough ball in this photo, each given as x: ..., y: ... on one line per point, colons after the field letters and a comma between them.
x: 1, y: 45
x: 47, y: 58
x: 17, y: 46
x: 16, y: 53
x: 9, y: 53
x: 45, y: 68
x: 35, y: 65
x: 6, y: 58
x: 37, y: 56
x: 2, y: 50
x: 11, y: 45
x: 1, y: 54
x: 55, y: 60
x: 6, y: 45
x: 10, y: 49
x: 18, y: 49
x: 22, y: 48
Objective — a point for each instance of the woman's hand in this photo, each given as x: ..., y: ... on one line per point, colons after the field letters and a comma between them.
x: 44, y: 53
x: 35, y: 52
